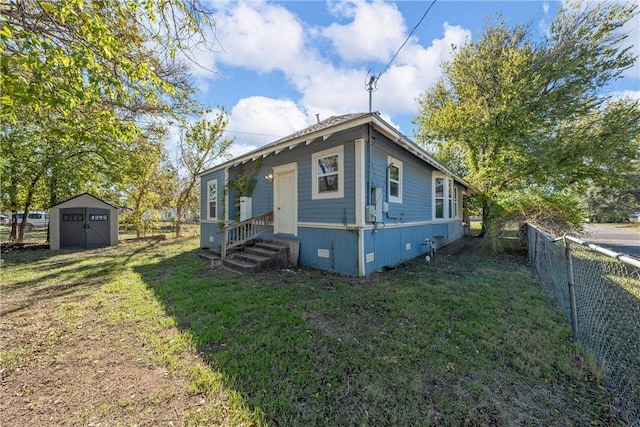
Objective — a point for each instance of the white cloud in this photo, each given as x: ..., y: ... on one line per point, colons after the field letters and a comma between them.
x: 633, y: 95
x: 257, y: 120
x: 266, y: 37
x: 333, y: 90
x: 375, y: 33
x: 260, y: 36
x: 329, y: 90
x: 416, y: 69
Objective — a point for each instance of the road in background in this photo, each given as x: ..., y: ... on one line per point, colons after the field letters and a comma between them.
x: 618, y: 237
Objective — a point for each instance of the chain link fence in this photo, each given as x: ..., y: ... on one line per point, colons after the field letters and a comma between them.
x: 599, y: 291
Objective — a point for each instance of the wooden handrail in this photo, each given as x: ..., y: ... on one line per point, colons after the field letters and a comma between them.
x: 239, y: 233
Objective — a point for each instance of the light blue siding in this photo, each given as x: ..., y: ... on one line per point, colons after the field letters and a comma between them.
x: 210, y: 235
x: 389, y: 245
x: 392, y: 246
x: 330, y: 250
x: 324, y: 211
x: 416, y: 183
x: 335, y: 211
x: 441, y: 229
x: 210, y: 231
x: 454, y: 230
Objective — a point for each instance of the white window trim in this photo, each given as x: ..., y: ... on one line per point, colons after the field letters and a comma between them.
x: 398, y: 164
x: 214, y: 182
x: 339, y: 151
x: 448, y: 183
x: 450, y: 206
x: 456, y: 201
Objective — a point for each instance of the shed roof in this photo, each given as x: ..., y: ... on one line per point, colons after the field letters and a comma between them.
x: 84, y: 195
x: 328, y: 127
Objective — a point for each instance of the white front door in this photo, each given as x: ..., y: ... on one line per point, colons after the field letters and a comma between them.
x: 285, y: 200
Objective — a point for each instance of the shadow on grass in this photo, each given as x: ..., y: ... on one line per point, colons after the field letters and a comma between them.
x: 464, y: 339
x: 60, y: 273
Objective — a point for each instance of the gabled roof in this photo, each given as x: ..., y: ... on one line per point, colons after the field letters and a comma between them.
x: 81, y: 195
x: 328, y: 127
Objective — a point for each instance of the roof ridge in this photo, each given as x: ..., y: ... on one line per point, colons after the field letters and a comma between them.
x: 323, y: 124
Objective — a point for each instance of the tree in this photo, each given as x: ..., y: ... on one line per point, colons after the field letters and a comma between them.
x: 152, y: 181
x: 604, y: 204
x: 201, y: 145
x: 78, y: 79
x: 510, y: 112
x: 61, y: 55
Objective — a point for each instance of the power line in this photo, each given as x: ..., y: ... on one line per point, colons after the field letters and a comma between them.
x: 407, y: 39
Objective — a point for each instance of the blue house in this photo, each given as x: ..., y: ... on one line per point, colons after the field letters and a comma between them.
x: 355, y: 193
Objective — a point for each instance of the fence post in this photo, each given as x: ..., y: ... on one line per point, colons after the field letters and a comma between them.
x: 572, y: 290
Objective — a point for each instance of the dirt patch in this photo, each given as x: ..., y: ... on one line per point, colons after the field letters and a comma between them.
x: 64, y: 366
x: 7, y: 247
x: 158, y: 238
x: 326, y: 325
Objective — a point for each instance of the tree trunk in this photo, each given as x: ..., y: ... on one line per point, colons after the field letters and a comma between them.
x: 178, y: 220
x: 53, y: 197
x: 183, y: 197
x: 27, y: 208
x: 486, y: 207
x: 13, y: 203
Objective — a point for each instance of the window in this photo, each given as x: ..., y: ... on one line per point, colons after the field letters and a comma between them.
x: 394, y: 181
x: 98, y: 217
x: 328, y: 174
x: 438, y: 194
x: 73, y: 217
x: 212, y: 199
x: 446, y: 201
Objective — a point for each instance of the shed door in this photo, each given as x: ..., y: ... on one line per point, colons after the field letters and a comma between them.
x: 97, y: 228
x: 72, y: 228
x: 84, y: 228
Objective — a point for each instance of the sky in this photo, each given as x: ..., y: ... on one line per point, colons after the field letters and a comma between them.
x: 278, y: 66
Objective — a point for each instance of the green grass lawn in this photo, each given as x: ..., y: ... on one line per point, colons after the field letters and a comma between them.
x: 466, y: 339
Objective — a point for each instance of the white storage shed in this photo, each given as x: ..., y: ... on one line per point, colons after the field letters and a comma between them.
x: 83, y: 222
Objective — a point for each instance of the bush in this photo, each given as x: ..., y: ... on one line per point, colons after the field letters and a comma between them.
x: 555, y: 212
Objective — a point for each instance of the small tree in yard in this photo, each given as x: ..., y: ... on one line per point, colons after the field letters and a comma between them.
x: 152, y: 181
x: 201, y: 146
x: 511, y: 112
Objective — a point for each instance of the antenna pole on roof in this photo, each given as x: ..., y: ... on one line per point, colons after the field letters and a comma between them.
x: 371, y: 86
